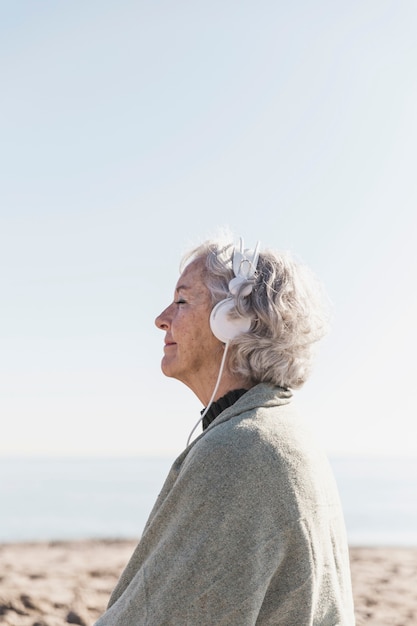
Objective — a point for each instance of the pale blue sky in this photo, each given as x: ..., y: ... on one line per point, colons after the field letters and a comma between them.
x: 131, y: 130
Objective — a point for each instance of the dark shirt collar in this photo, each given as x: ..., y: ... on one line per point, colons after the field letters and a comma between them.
x: 220, y: 405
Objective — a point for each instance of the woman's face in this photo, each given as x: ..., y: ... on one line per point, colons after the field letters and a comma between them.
x: 192, y: 354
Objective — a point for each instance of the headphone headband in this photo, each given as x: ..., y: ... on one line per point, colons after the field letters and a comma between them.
x: 244, y: 265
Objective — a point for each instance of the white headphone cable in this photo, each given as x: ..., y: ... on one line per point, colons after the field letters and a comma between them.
x: 214, y: 392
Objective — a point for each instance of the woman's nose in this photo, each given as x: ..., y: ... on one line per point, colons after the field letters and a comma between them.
x: 162, y: 321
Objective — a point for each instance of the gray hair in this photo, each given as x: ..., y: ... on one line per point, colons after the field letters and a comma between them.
x: 288, y: 307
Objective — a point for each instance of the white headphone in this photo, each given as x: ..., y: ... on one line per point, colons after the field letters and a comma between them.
x: 222, y: 325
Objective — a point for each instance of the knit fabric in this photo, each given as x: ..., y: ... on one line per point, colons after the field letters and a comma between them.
x: 221, y: 405
x: 247, y: 530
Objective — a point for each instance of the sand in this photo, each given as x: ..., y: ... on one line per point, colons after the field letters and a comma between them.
x: 58, y: 583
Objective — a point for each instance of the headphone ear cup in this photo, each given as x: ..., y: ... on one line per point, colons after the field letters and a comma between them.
x: 222, y: 326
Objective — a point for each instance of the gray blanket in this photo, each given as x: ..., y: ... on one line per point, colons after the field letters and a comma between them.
x: 247, y: 529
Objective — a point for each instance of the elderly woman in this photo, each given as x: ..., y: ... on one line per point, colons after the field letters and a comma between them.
x: 248, y: 527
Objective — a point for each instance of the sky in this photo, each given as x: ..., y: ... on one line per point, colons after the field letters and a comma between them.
x: 129, y: 132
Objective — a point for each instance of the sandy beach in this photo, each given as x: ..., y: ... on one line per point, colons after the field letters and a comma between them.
x: 58, y: 583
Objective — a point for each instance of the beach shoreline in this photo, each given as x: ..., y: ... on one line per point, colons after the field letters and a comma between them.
x: 69, y: 582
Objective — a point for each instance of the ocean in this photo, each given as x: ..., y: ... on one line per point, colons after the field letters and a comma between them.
x: 80, y: 498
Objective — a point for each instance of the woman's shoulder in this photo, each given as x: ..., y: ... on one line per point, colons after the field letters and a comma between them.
x: 250, y: 436
x: 263, y: 417
x: 269, y: 437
